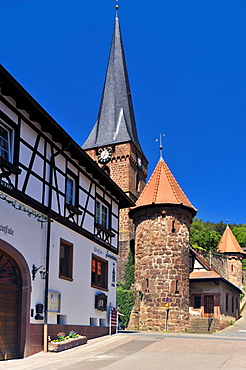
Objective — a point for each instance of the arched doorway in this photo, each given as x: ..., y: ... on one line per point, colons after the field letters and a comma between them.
x: 10, y: 307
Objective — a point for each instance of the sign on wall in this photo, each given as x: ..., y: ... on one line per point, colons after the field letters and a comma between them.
x: 54, y: 301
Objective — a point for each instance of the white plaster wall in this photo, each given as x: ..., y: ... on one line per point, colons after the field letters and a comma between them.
x: 30, y: 240
x: 84, y: 181
x: 38, y: 165
x: 114, y: 223
x: 60, y: 163
x: 41, y: 146
x: 28, y: 134
x: 91, y: 205
x: 34, y: 188
x: 89, y: 223
x: 82, y: 198
x: 25, y: 154
x: 115, y: 208
x: 77, y: 296
x: 9, y: 112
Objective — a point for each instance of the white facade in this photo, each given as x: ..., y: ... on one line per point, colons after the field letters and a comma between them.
x: 58, y: 212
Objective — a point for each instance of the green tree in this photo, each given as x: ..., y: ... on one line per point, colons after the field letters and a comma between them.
x: 129, y: 270
x: 240, y: 234
x: 125, y: 296
x: 203, y: 236
x: 125, y: 299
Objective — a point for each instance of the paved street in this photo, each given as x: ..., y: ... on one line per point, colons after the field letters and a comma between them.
x: 156, y: 351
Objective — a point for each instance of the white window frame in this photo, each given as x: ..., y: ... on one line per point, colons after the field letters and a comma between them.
x: 102, y: 214
x: 70, y: 185
x: 9, y: 151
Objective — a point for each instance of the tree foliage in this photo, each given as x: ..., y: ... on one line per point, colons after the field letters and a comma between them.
x: 204, y: 235
x: 129, y: 270
x: 125, y: 297
x: 240, y: 234
x: 207, y: 235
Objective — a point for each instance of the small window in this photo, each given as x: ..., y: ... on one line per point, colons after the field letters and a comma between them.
x: 197, y: 302
x: 6, y: 138
x: 102, y: 214
x: 99, y: 272
x: 70, y: 190
x: 237, y: 304
x: 232, y: 304
x: 66, y: 260
x: 226, y: 303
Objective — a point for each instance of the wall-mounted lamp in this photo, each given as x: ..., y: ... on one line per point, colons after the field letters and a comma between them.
x: 43, y: 272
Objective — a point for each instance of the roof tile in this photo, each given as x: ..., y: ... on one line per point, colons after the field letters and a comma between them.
x: 228, y: 243
x: 163, y: 188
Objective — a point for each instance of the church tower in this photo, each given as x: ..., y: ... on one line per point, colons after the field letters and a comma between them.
x: 162, y: 216
x: 230, y: 248
x: 113, y: 142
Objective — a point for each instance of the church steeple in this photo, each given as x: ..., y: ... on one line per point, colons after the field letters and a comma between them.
x: 116, y: 122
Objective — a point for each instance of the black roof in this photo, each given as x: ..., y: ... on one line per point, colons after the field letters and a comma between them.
x: 116, y: 122
x: 10, y: 87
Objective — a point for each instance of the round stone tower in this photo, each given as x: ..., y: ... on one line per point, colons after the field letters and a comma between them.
x: 230, y: 248
x: 162, y: 217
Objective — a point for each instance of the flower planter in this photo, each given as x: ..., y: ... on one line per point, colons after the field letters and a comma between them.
x: 70, y: 343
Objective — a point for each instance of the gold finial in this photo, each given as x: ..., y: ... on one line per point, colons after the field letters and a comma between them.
x: 117, y: 6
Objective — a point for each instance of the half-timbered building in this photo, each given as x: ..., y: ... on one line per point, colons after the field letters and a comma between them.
x: 59, y: 217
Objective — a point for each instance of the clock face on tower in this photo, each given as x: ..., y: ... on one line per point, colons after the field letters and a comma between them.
x: 104, y: 155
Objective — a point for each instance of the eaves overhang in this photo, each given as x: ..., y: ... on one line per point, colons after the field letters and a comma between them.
x: 218, y: 278
x: 10, y: 87
x: 161, y: 206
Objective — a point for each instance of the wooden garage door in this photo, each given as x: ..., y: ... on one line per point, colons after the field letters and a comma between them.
x: 10, y: 300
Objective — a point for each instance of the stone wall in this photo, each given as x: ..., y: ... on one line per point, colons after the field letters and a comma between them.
x: 162, y: 266
x: 228, y: 265
x: 217, y: 260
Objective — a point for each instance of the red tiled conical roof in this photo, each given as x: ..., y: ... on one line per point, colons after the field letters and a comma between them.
x: 163, y: 188
x: 228, y: 243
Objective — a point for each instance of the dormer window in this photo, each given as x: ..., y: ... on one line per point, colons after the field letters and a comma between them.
x: 6, y: 140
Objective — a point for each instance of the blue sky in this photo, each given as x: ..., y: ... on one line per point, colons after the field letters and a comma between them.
x: 186, y: 61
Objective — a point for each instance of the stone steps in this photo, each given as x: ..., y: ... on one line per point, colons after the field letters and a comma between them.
x: 203, y: 326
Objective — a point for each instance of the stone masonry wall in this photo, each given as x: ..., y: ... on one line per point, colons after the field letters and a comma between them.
x: 235, y: 270
x: 228, y: 265
x: 162, y: 266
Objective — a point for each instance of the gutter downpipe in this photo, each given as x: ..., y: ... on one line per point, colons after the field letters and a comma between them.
x: 52, y: 158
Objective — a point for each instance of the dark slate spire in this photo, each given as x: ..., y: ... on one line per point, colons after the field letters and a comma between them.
x: 115, y: 122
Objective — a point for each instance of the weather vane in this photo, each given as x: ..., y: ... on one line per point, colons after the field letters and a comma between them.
x: 161, y: 146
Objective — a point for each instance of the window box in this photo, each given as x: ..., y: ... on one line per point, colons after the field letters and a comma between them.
x: 10, y: 167
x: 73, y: 209
x: 105, y: 230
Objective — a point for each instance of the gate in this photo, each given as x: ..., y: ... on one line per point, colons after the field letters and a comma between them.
x: 10, y: 303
